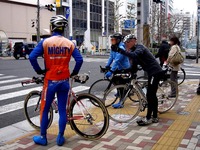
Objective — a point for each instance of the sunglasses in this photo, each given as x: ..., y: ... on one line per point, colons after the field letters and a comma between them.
x: 128, y: 41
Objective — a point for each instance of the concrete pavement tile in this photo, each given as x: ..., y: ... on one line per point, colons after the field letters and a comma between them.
x: 185, y: 141
x: 197, y: 148
x: 191, y: 146
x: 194, y: 140
x: 133, y: 147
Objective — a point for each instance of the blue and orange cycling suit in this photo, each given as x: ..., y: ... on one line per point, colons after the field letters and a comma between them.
x: 57, y: 51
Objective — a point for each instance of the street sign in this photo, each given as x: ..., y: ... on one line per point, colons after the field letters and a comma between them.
x: 129, y: 24
x: 67, y: 12
x: 58, y: 3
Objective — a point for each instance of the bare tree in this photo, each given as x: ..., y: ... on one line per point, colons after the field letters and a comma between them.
x: 117, y: 15
x: 163, y: 26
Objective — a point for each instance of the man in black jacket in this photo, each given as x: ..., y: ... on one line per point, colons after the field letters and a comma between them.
x: 163, y: 52
x: 140, y: 55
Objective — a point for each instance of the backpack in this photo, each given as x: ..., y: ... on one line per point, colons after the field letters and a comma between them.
x: 177, y: 58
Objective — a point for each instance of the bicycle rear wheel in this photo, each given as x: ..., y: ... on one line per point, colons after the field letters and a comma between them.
x: 99, y: 88
x: 120, y: 95
x: 88, y: 117
x: 181, y: 76
x: 165, y: 101
x: 32, y: 109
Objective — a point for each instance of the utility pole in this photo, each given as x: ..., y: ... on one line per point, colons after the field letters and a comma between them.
x: 107, y: 14
x: 198, y: 14
x: 38, y: 21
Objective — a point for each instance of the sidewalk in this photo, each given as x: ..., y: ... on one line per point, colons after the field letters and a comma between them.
x: 177, y: 129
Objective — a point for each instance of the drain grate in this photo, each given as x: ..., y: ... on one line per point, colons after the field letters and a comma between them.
x: 183, y: 113
x: 198, y: 136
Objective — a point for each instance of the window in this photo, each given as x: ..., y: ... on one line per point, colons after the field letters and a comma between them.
x: 138, y: 21
x: 138, y: 4
x: 138, y: 13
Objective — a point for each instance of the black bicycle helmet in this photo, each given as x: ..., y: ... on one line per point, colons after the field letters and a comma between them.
x: 129, y: 37
x: 58, y: 22
x: 117, y: 36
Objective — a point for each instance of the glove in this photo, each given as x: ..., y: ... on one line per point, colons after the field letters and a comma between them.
x: 40, y: 72
x: 108, y: 74
x: 107, y: 67
x: 115, y: 48
x: 73, y: 74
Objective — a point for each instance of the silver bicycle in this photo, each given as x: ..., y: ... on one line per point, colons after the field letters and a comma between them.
x: 133, y: 98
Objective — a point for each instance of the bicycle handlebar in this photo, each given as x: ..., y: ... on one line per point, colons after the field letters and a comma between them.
x: 36, y: 80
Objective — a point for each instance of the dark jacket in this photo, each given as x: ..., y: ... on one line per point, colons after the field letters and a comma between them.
x: 163, y: 52
x: 140, y: 55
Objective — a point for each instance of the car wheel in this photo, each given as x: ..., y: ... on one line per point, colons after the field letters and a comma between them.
x: 26, y: 56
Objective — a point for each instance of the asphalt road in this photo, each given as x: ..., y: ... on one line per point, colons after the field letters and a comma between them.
x: 22, y: 68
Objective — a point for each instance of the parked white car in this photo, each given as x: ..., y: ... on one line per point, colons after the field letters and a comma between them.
x: 191, y: 51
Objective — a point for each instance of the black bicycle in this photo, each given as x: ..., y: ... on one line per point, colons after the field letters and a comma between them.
x: 101, y: 86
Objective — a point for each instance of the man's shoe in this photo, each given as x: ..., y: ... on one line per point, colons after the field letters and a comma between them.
x: 155, y: 120
x: 60, y: 140
x: 144, y: 122
x: 40, y: 140
x: 118, y: 105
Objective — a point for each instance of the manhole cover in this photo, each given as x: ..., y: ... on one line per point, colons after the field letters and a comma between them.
x: 198, y: 136
x: 183, y: 113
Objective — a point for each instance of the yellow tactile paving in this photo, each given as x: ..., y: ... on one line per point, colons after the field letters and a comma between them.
x: 175, y: 133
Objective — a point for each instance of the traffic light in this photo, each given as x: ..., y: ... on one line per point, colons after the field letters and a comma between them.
x: 33, y: 24
x: 50, y: 7
x: 157, y: 1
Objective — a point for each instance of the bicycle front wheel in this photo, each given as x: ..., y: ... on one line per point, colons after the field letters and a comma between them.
x: 165, y: 100
x: 123, y: 108
x: 88, y: 117
x: 100, y: 87
x: 32, y: 109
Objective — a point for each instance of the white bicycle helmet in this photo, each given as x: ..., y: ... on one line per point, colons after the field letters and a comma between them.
x: 129, y: 37
x: 58, y: 22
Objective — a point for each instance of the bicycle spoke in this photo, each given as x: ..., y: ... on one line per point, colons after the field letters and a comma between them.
x: 92, y: 122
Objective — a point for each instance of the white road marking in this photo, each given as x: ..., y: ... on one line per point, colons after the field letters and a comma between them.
x: 7, y: 77
x: 13, y: 80
x: 19, y: 105
x: 8, y: 87
x: 17, y: 94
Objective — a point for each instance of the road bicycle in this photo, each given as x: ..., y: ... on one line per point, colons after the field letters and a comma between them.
x: 181, y: 76
x: 86, y: 114
x: 132, y: 96
x: 101, y: 86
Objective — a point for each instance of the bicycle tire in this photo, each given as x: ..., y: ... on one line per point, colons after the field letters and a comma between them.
x: 183, y: 74
x: 30, y: 115
x: 99, y: 87
x: 164, y: 99
x: 130, y: 109
x: 92, y: 112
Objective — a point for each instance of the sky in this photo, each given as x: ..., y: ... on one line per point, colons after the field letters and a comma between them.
x: 186, y: 5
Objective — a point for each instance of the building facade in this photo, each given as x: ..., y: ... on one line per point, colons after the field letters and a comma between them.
x: 93, y: 19
x: 19, y: 18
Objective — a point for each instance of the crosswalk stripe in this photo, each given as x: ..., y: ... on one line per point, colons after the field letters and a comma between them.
x: 17, y: 94
x: 19, y: 105
x: 192, y: 72
x: 1, y: 74
x: 7, y: 77
x: 9, y: 87
x: 13, y: 80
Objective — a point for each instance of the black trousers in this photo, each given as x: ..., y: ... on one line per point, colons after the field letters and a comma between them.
x: 152, y: 99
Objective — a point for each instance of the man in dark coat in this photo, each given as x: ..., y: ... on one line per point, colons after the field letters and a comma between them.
x: 163, y: 52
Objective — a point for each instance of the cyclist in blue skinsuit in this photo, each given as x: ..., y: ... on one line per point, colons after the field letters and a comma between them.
x: 57, y: 51
x: 118, y: 61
